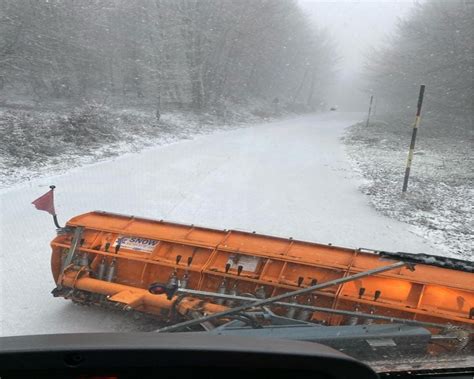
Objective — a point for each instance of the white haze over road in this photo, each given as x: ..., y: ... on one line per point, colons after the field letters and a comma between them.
x: 355, y: 27
x: 286, y: 178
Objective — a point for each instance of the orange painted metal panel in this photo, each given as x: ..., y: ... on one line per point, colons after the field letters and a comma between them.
x: 149, y: 251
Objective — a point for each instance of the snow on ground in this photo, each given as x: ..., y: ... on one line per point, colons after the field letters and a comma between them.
x: 286, y: 178
x: 439, y: 202
x: 37, y: 142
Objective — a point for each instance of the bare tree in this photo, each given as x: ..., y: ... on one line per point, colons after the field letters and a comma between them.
x: 200, y: 53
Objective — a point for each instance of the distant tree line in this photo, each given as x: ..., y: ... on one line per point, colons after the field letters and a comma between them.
x: 195, y: 52
x: 434, y: 46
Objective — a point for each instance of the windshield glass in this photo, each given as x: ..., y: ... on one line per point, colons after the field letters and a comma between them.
x: 324, y: 148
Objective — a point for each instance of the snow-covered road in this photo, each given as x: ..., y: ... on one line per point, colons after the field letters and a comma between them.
x: 287, y: 178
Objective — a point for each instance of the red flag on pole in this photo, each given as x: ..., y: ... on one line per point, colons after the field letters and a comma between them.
x: 46, y: 202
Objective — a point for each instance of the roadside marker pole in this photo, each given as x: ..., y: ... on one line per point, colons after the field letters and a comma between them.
x: 413, y: 138
x: 370, y: 110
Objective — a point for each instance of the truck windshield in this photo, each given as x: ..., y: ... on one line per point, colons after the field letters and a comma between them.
x: 293, y: 169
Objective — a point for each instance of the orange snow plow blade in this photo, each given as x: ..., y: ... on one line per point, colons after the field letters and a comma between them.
x: 107, y: 258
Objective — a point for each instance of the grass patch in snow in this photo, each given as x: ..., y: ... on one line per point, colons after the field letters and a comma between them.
x: 39, y: 141
x: 440, y: 196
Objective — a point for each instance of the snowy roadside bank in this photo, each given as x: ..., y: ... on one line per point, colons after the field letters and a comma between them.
x: 440, y: 197
x: 41, y: 142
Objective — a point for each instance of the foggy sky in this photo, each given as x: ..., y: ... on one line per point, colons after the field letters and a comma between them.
x: 355, y: 26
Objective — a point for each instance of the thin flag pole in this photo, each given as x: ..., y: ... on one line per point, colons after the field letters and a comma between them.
x: 413, y: 138
x: 55, y: 216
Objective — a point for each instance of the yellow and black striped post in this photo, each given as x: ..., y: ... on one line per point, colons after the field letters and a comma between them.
x: 413, y: 138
